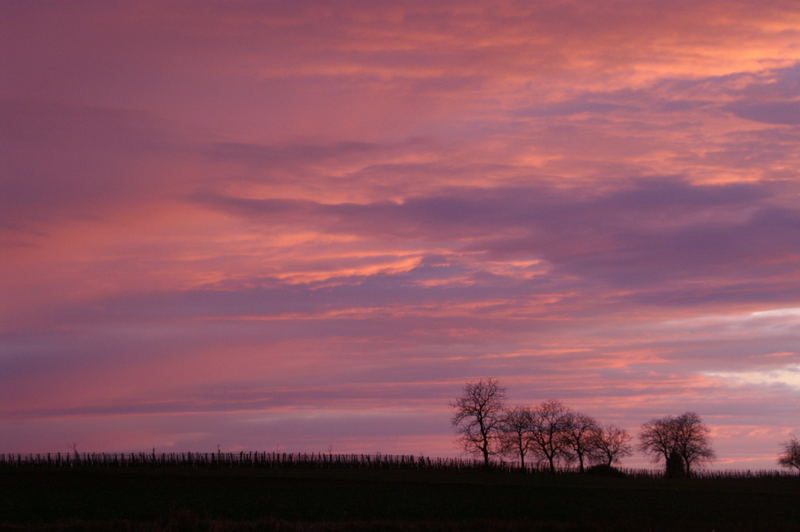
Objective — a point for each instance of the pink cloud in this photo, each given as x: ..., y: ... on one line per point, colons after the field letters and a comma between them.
x: 318, y: 221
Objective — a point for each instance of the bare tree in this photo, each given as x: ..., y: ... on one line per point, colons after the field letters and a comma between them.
x: 655, y: 439
x: 685, y: 436
x: 791, y: 454
x: 515, y: 434
x: 578, y: 433
x: 692, y: 440
x: 550, y: 422
x: 478, y: 416
x: 609, y: 444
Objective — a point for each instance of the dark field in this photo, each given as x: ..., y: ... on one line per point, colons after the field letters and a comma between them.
x: 309, y: 496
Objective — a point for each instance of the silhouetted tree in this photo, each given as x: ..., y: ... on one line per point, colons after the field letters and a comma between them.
x: 515, y: 437
x: 478, y: 416
x: 684, y: 435
x: 609, y: 444
x: 791, y: 454
x: 579, y: 430
x: 692, y: 440
x: 550, y: 423
x: 655, y: 439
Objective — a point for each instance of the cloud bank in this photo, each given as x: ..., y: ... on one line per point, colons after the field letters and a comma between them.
x: 305, y: 226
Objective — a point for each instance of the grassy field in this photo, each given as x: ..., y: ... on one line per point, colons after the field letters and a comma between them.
x: 302, y: 496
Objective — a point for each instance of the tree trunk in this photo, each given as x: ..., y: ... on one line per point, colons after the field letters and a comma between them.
x: 552, y: 464
x: 676, y: 467
x: 580, y: 463
x: 522, y: 460
x: 485, y: 456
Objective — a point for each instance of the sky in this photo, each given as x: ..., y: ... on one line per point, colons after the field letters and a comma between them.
x: 303, y: 226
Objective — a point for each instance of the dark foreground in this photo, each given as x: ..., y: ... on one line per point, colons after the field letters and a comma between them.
x: 337, y: 499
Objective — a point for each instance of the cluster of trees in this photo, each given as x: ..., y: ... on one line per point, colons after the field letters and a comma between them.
x: 550, y: 432
x: 553, y: 434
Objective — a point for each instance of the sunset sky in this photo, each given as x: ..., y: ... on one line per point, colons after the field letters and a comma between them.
x: 303, y: 225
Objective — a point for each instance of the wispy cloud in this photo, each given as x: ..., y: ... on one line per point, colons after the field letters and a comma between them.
x: 319, y: 221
